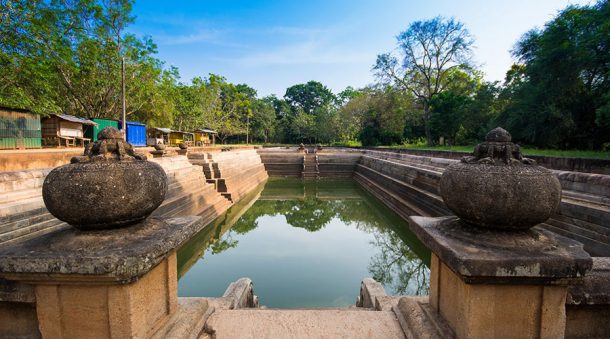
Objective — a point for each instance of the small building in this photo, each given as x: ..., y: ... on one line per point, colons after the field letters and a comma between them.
x: 19, y: 129
x: 157, y: 135
x: 91, y: 133
x: 204, y: 137
x: 65, y: 130
x: 178, y: 137
x: 136, y: 132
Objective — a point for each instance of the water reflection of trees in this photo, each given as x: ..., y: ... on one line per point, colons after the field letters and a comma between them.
x: 400, y: 263
x: 397, y: 267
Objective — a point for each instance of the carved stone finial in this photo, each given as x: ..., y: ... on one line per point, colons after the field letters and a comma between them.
x: 497, y: 149
x: 109, y: 146
x: 498, y: 188
x: 498, y: 134
x: 110, y: 186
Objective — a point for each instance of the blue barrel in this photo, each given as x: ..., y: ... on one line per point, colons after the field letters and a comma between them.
x: 136, y: 132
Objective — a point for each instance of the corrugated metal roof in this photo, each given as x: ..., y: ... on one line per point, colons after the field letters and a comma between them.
x: 162, y: 130
x: 75, y: 119
x: 14, y: 109
x: 206, y: 130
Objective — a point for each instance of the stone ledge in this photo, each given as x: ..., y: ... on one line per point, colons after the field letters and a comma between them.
x: 479, y: 255
x: 419, y: 320
x: 188, y: 321
x: 595, y: 289
x: 120, y: 255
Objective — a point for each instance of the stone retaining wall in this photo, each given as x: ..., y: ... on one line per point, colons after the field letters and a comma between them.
x: 23, y: 214
x: 409, y: 184
x: 22, y: 160
x: 234, y: 173
x: 288, y: 161
x: 282, y: 161
x: 599, y: 166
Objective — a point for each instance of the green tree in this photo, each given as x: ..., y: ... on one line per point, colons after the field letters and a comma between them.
x: 58, y: 56
x: 559, y: 96
x: 309, y: 97
x: 429, y: 51
x: 264, y: 121
x: 448, y: 112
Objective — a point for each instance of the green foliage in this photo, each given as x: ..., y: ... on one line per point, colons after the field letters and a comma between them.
x: 309, y: 97
x: 430, y: 51
x: 560, y: 97
x: 448, y: 111
x: 65, y: 57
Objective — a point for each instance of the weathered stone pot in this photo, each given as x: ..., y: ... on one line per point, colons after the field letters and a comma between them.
x: 502, y: 197
x: 104, y: 194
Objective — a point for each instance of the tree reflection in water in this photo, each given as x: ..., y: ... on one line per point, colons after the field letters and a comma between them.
x: 400, y: 262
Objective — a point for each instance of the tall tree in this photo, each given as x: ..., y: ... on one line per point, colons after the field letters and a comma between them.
x: 309, y: 97
x: 65, y: 56
x: 429, y: 50
x: 559, y: 95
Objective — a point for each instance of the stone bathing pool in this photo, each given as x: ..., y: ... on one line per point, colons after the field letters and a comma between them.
x: 305, y: 244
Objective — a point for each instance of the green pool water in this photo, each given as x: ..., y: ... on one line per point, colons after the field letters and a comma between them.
x: 305, y: 244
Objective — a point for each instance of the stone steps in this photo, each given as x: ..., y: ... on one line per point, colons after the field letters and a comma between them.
x: 402, y: 207
x: 315, y: 323
x: 431, y: 203
x: 31, y: 231
x: 585, y: 232
x: 188, y: 194
x: 590, y: 243
x: 26, y: 219
x: 584, y: 212
x: 233, y: 174
x: 20, y: 207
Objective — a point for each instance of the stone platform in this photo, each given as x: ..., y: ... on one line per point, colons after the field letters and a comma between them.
x: 280, y: 324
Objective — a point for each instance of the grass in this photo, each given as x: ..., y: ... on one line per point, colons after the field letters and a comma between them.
x: 467, y: 148
x: 524, y: 150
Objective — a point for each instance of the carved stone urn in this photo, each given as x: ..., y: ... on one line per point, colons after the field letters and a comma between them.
x: 498, y: 188
x: 110, y: 186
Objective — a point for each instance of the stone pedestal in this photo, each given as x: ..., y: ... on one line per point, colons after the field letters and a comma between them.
x: 495, y: 284
x: 158, y: 153
x: 106, y: 284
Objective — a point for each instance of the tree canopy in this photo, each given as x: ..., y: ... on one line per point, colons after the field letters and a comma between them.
x: 65, y: 57
x: 429, y: 51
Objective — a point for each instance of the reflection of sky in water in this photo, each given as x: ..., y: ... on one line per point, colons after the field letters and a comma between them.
x: 294, y: 267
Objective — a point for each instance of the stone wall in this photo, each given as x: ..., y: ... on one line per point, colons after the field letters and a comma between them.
x: 23, y: 214
x: 599, y: 166
x: 22, y: 160
x: 234, y: 173
x: 336, y: 162
x: 288, y: 161
x: 282, y: 161
x: 409, y: 184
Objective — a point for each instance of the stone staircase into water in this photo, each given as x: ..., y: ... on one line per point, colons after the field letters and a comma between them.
x: 310, y: 166
x: 375, y: 315
x: 24, y: 216
x: 234, y: 173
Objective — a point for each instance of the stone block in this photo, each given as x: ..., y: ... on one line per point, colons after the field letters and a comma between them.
x: 81, y: 309
x: 498, y: 311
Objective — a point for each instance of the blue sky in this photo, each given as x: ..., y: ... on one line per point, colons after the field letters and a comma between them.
x: 271, y: 45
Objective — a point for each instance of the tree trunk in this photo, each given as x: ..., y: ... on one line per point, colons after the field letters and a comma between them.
x: 429, y: 140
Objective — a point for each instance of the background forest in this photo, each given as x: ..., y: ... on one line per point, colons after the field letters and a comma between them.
x: 65, y: 57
